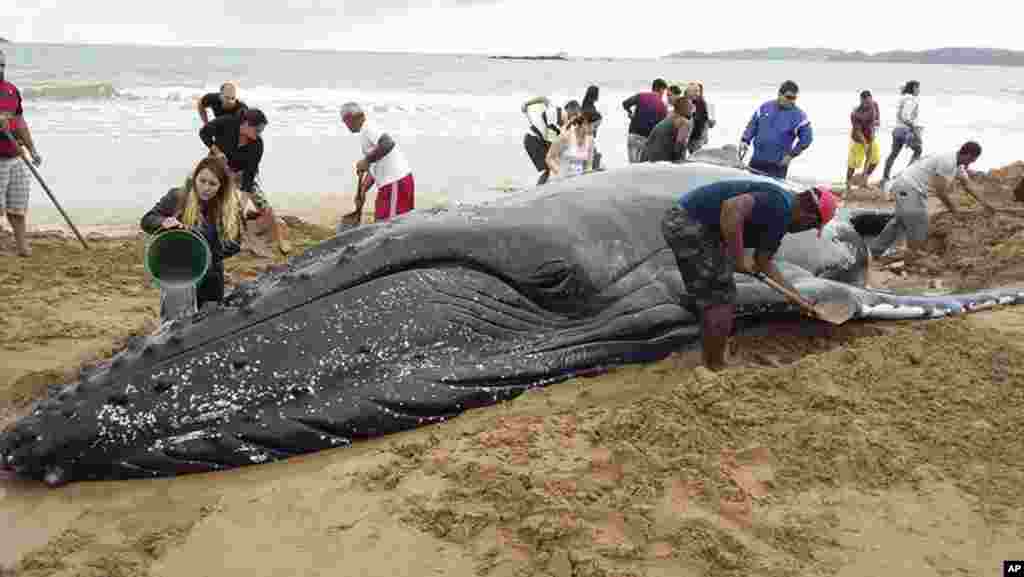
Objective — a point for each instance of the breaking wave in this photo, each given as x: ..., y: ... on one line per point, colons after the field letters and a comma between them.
x: 71, y: 91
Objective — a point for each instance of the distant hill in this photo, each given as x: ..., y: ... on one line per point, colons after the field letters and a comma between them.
x: 771, y: 53
x: 962, y: 56
x: 559, y: 56
x: 4, y: 41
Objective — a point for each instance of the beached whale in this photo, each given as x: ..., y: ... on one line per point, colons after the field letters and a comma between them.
x: 390, y: 326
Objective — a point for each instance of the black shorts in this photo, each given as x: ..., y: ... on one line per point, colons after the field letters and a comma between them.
x: 537, y: 150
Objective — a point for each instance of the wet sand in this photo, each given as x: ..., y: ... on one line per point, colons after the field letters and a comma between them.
x: 869, y: 449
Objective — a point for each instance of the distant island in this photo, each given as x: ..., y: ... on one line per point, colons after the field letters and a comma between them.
x: 961, y: 56
x: 559, y: 56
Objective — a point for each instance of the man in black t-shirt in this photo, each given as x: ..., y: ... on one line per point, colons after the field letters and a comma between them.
x: 238, y: 140
x: 221, y: 103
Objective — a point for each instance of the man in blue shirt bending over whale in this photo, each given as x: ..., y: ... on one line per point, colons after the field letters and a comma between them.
x: 773, y: 128
x: 708, y: 230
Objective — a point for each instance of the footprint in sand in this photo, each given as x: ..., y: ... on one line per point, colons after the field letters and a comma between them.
x: 680, y: 491
x: 747, y: 476
x: 611, y: 533
x: 603, y: 468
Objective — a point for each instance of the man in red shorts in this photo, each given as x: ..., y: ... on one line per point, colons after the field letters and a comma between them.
x: 396, y: 190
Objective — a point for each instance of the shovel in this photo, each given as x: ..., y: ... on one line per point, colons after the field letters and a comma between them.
x: 53, y: 198
x: 836, y: 313
x: 355, y: 217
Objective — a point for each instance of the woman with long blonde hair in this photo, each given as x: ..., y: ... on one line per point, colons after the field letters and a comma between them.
x: 207, y: 204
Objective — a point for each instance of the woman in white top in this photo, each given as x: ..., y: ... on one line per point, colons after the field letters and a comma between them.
x: 573, y: 153
x: 908, y: 128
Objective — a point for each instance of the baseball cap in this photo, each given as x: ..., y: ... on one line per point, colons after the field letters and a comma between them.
x: 825, y: 201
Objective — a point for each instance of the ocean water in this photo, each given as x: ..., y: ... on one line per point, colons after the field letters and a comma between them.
x: 117, y: 125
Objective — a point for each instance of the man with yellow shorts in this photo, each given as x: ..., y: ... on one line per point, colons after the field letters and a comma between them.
x: 864, y: 148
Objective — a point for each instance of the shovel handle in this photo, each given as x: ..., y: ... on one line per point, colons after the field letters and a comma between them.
x: 795, y: 296
x: 53, y: 198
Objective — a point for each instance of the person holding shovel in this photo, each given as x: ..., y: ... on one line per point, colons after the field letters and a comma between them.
x: 386, y: 164
x: 14, y: 176
x: 709, y: 228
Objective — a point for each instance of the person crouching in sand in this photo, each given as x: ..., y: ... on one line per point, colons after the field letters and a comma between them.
x: 208, y: 204
x: 938, y: 173
x: 708, y: 229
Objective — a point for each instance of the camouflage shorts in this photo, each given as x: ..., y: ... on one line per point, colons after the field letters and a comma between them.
x: 706, y: 270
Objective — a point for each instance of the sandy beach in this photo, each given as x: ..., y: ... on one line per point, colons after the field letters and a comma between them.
x: 870, y: 449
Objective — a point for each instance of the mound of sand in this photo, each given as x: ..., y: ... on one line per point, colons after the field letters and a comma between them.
x: 869, y: 449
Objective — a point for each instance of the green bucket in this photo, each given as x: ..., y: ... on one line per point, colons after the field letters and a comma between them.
x: 178, y: 258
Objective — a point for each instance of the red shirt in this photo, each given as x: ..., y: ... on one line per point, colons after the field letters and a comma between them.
x: 864, y: 120
x: 10, y: 107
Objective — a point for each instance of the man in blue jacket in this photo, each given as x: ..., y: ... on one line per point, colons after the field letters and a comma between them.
x: 773, y: 128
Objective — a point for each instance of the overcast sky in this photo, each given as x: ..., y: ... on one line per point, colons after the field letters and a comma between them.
x: 611, y: 28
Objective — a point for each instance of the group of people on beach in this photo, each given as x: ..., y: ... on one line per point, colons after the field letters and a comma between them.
x: 214, y: 199
x: 561, y: 141
x: 710, y: 226
x: 708, y: 229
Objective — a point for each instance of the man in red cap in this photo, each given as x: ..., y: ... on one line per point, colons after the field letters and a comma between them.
x: 708, y: 230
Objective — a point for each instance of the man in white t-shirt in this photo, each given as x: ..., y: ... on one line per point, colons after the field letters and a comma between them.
x: 938, y: 173
x: 396, y: 190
